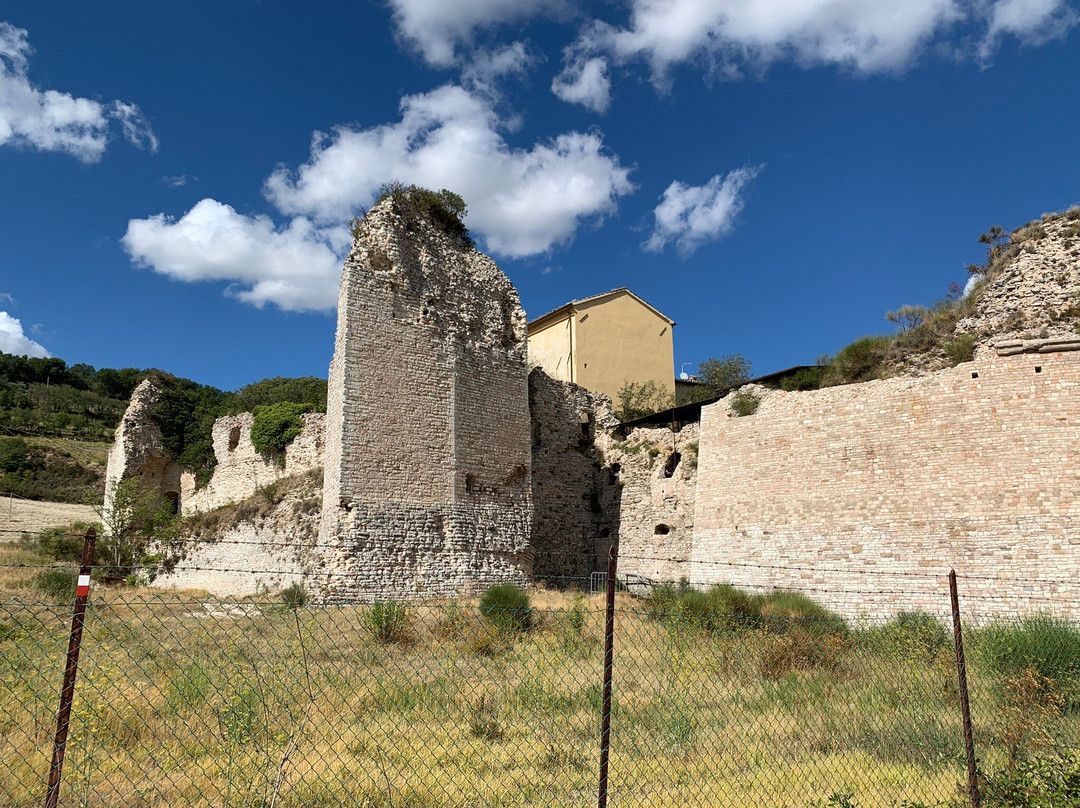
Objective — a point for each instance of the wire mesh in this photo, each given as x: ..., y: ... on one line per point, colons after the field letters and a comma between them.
x: 721, y: 698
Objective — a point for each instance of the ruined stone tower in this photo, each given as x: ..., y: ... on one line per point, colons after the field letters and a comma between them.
x: 427, y: 486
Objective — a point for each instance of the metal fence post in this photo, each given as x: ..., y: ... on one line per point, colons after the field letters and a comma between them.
x: 609, y: 653
x: 965, y: 707
x: 67, y: 692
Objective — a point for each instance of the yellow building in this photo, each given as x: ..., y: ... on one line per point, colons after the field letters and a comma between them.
x: 604, y: 341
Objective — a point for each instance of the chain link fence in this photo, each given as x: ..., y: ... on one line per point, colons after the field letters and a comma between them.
x: 720, y: 698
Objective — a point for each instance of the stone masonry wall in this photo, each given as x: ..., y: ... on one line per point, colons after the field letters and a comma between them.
x: 428, y: 486
x: 864, y: 496
x: 241, y: 470
x: 575, y: 508
x: 592, y: 486
x: 257, y: 554
x: 137, y: 451
x: 656, y: 469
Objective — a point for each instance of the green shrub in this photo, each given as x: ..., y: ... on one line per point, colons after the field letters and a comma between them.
x: 444, y: 208
x: 663, y: 600
x: 911, y: 635
x: 861, y: 361
x: 58, y: 584
x: 294, y: 595
x: 389, y: 623
x: 1044, y: 781
x: 961, y: 349
x: 62, y: 543
x: 808, y: 378
x: 507, y: 607
x: 782, y: 611
x: 744, y: 402
x: 276, y: 426
x: 1044, y: 644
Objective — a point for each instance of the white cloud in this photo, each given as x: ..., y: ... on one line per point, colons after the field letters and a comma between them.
x: 178, y: 180
x: 692, y: 215
x: 867, y: 36
x: 436, y: 27
x: 14, y: 341
x: 521, y: 201
x: 1033, y: 22
x: 297, y: 267
x: 486, y: 67
x: 49, y: 120
x: 583, y: 80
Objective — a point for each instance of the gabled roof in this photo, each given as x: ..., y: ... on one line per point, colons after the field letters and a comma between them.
x: 569, y: 308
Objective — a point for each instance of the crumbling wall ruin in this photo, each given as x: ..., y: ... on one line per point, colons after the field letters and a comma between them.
x: 575, y: 498
x: 138, y: 452
x: 593, y: 485
x: 656, y: 472
x: 428, y: 470
x: 241, y: 470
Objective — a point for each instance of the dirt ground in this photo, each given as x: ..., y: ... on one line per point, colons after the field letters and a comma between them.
x: 18, y: 515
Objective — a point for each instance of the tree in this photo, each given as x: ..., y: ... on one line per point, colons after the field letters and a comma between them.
x: 724, y: 372
x: 637, y: 399
x: 907, y: 317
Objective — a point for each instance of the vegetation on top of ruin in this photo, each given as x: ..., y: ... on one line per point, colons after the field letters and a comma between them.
x: 276, y: 426
x: 928, y: 337
x: 445, y: 209
x: 186, y: 412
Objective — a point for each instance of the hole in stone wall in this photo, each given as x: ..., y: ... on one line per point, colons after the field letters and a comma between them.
x: 234, y: 438
x: 662, y: 530
x: 172, y: 499
x: 672, y: 464
x: 605, y: 532
x: 1038, y: 368
x: 974, y: 375
x: 613, y: 473
x: 470, y: 484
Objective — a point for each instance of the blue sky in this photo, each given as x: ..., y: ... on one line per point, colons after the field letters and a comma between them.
x: 774, y: 175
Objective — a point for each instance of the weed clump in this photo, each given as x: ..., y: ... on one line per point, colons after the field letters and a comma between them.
x: 58, y: 584
x: 1044, y: 644
x: 744, y: 402
x: 507, y: 607
x: 389, y: 623
x: 294, y: 596
x: 910, y: 635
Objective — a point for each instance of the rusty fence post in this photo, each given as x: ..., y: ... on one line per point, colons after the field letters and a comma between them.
x: 965, y: 706
x: 609, y: 653
x: 67, y: 692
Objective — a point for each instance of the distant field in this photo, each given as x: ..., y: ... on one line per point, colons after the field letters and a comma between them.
x: 27, y: 515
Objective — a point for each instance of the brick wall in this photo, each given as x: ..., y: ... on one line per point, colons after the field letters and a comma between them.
x: 869, y: 493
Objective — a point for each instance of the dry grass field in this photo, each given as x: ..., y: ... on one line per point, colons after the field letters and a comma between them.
x: 24, y: 515
x: 187, y: 701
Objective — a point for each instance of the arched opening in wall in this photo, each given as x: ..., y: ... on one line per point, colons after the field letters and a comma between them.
x: 470, y: 483
x: 661, y: 530
x: 172, y: 501
x: 234, y: 438
x: 672, y: 464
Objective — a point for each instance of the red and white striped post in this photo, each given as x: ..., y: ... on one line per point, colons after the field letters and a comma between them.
x: 67, y: 692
